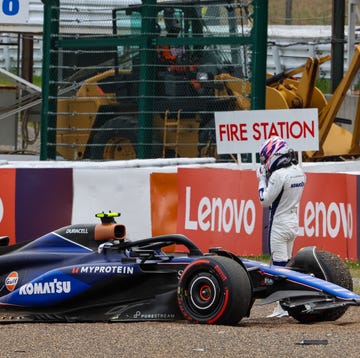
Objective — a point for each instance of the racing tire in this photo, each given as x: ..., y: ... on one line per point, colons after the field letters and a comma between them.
x: 214, y: 290
x: 115, y: 140
x: 337, y: 272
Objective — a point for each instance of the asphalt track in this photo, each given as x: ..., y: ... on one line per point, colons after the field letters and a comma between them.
x: 254, y: 337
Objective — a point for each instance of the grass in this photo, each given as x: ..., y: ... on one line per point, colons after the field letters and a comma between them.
x: 36, y: 80
x: 303, y: 12
x: 354, y: 268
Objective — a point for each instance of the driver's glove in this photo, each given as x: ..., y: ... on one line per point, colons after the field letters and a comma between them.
x: 261, y: 174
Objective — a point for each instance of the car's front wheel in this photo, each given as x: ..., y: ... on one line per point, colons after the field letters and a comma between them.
x: 214, y: 290
x: 336, y: 272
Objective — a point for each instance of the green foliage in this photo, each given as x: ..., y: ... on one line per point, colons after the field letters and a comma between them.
x: 262, y: 258
x: 37, y: 80
x: 4, y: 81
x: 354, y: 267
x: 324, y: 85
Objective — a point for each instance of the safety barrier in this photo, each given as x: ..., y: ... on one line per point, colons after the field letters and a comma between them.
x: 213, y: 205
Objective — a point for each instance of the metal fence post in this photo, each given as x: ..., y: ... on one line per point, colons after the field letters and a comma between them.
x: 51, y: 12
x: 146, y: 87
x: 258, y: 86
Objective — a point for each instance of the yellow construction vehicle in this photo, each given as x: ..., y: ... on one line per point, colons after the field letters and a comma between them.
x: 334, y: 140
x: 100, y: 121
x: 284, y: 91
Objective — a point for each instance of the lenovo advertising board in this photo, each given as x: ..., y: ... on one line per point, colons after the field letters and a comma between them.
x: 219, y: 207
x: 328, y: 214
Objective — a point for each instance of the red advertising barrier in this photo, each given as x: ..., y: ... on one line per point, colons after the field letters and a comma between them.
x: 164, y: 199
x: 219, y: 207
x: 7, y: 203
x: 328, y: 214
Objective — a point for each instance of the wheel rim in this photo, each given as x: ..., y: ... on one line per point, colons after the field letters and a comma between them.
x: 203, y: 293
x: 119, y: 148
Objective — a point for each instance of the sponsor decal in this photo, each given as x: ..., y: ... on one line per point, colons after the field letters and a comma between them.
x: 139, y: 315
x: 268, y: 281
x: 221, y: 274
x: 11, y: 280
x: 43, y: 288
x: 328, y: 214
x: 179, y: 273
x: 219, y: 207
x: 217, y: 214
x: 322, y: 220
x: 77, y: 231
x: 104, y: 269
x: 297, y: 185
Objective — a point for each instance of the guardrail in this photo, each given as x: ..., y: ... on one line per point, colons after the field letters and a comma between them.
x: 288, y: 47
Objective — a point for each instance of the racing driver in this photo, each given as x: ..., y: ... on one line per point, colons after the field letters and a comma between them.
x: 281, y: 184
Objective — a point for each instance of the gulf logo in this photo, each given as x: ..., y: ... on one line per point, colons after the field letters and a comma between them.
x: 11, y: 281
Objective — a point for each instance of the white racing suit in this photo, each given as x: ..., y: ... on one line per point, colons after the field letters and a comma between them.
x: 282, y: 193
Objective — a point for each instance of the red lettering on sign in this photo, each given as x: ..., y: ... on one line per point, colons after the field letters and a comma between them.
x: 233, y: 132
x: 222, y: 131
x: 309, y: 130
x: 286, y: 130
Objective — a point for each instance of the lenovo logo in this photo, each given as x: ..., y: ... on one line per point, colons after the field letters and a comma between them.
x: 321, y: 220
x: 220, y: 215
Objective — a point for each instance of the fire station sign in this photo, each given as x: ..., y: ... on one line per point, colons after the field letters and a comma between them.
x: 245, y: 131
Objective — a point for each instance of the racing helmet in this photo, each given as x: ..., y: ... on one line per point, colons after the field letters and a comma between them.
x: 273, y: 152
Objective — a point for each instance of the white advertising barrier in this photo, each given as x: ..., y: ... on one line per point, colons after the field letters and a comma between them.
x: 122, y: 186
x: 127, y: 192
x: 246, y: 131
x: 14, y: 11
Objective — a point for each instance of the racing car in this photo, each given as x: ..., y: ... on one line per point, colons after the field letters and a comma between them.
x: 93, y: 272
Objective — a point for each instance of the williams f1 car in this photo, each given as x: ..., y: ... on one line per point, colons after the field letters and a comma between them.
x: 92, y: 272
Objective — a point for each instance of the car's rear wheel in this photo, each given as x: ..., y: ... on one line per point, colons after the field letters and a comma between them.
x: 336, y: 272
x: 214, y: 290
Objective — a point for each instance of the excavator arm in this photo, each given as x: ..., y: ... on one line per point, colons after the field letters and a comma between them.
x: 285, y: 91
x: 330, y: 136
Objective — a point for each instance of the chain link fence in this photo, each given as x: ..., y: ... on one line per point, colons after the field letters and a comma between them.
x: 131, y: 79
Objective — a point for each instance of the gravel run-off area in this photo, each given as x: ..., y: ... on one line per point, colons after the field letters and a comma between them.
x: 256, y: 336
